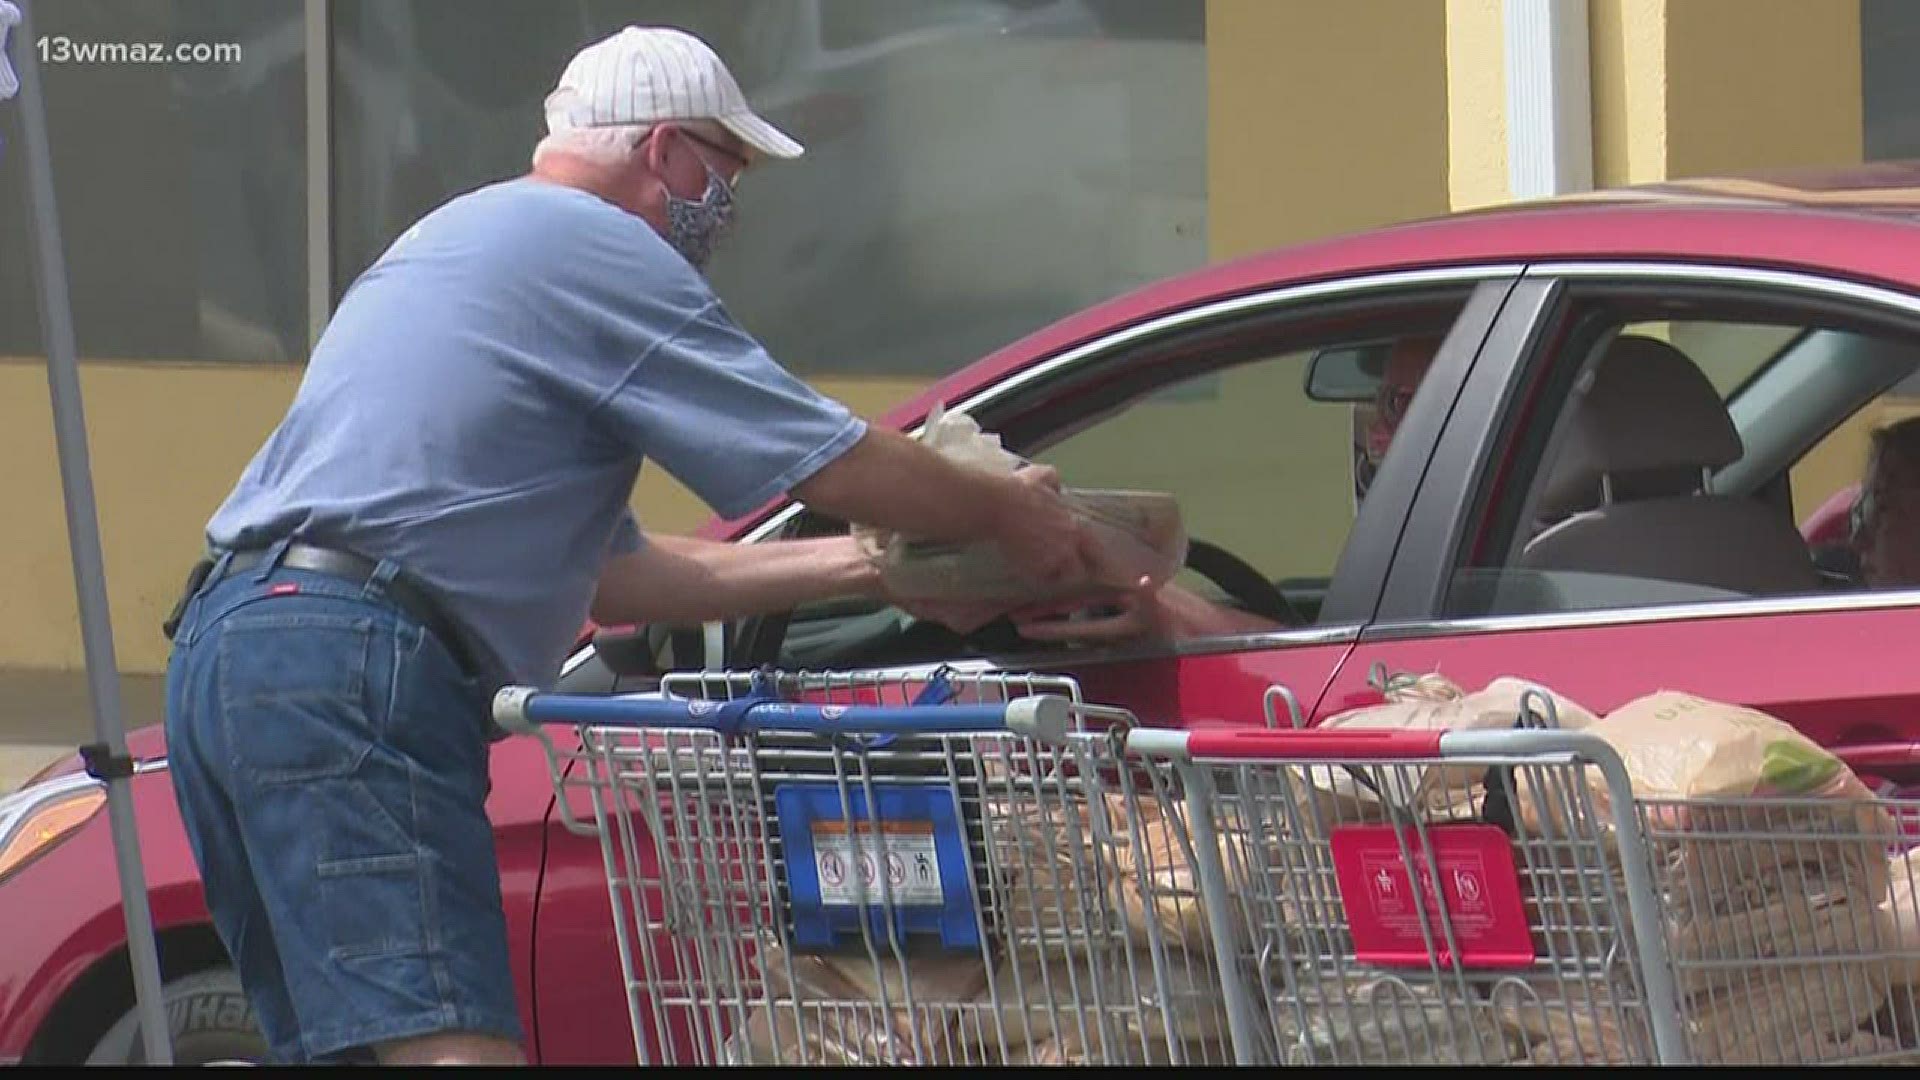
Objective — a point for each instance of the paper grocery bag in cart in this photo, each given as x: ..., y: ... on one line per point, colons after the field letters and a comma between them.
x: 1140, y: 533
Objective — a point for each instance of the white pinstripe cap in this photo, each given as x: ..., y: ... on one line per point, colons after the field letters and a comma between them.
x: 647, y: 74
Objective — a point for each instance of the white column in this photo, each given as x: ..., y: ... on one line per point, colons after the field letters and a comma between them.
x: 1549, y: 111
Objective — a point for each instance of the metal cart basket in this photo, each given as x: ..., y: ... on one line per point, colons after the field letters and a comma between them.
x: 1501, y: 897
x: 897, y: 868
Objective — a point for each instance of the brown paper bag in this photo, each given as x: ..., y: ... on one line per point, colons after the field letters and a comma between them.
x: 1680, y: 751
x: 1432, y: 702
x: 825, y: 1008
x: 1900, y: 917
x: 1784, y: 1016
x: 1368, y: 1020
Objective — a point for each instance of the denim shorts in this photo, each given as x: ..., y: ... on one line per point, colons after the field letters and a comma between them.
x: 330, y: 763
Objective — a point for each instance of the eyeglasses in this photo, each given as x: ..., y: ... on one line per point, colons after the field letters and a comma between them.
x: 1862, y: 516
x: 1391, y: 403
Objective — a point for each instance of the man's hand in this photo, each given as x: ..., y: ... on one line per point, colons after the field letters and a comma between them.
x: 1143, y: 614
x: 1041, y: 539
x: 960, y: 616
x: 1138, y: 615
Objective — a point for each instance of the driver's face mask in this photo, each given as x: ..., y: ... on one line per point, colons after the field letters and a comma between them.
x: 695, y: 225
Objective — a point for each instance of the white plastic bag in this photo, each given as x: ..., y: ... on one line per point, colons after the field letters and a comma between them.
x: 1140, y: 533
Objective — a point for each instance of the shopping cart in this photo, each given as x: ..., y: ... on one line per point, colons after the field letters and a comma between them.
x: 1501, y: 897
x: 892, y: 868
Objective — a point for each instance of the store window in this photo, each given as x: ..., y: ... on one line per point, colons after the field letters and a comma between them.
x: 975, y: 169
x: 181, y: 185
x: 1889, y: 87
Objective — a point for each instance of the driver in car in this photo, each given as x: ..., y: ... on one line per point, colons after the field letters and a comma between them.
x: 1886, y: 517
x: 1173, y: 612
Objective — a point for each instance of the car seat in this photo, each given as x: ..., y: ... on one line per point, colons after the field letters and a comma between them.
x: 1632, y: 474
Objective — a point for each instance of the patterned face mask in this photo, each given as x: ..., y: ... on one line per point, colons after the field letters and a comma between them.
x: 694, y: 225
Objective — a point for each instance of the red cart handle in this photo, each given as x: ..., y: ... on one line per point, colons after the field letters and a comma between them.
x: 1310, y: 744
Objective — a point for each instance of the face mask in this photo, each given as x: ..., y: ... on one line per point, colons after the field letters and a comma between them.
x: 694, y: 225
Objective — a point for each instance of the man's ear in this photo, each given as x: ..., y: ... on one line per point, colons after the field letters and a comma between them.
x: 648, y: 153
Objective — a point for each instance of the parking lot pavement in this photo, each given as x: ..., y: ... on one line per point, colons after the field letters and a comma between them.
x: 45, y: 714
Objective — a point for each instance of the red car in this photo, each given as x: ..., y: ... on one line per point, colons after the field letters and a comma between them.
x: 1606, y: 536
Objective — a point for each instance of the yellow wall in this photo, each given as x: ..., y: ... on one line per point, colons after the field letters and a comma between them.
x: 1676, y: 92
x: 1627, y: 66
x: 1322, y: 118
x: 1476, y: 105
x: 1784, y: 91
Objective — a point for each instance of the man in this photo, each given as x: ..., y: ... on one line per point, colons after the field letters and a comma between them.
x: 1173, y: 612
x: 445, y: 501
x: 1886, y: 516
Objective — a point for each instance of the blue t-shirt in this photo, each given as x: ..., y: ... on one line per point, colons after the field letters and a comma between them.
x: 480, y: 405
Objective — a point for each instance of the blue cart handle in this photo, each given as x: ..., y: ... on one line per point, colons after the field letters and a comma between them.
x: 1041, y: 716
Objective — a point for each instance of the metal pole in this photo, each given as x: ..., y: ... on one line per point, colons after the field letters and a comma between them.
x: 83, y: 532
x: 319, y: 172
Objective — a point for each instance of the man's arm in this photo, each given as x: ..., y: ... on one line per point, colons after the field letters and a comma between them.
x: 885, y: 480
x: 680, y: 580
x: 889, y: 481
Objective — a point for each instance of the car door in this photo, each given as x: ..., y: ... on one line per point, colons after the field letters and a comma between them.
x: 1800, y: 364
x: 1215, y: 406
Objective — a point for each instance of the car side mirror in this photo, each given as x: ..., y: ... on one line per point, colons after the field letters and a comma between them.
x: 651, y: 650
x: 1350, y: 373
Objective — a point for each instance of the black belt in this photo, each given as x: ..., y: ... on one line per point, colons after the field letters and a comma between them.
x: 406, y: 595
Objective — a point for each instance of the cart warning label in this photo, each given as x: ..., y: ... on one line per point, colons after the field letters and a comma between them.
x: 1389, y: 886
x: 910, y: 863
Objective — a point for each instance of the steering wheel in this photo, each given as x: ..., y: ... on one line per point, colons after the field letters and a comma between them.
x: 1239, y: 580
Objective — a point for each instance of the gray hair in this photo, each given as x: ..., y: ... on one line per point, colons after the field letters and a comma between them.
x: 604, y: 145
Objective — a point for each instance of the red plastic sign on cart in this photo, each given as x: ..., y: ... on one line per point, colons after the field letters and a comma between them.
x: 1476, y: 877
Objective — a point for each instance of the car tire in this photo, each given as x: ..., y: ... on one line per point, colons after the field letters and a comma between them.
x: 211, y: 1023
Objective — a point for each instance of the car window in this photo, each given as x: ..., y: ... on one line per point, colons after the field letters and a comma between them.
x: 1669, y: 461
x: 1730, y: 354
x: 1827, y: 476
x: 1260, y: 469
x: 1264, y: 437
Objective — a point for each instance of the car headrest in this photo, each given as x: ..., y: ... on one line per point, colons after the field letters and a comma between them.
x: 1649, y: 410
